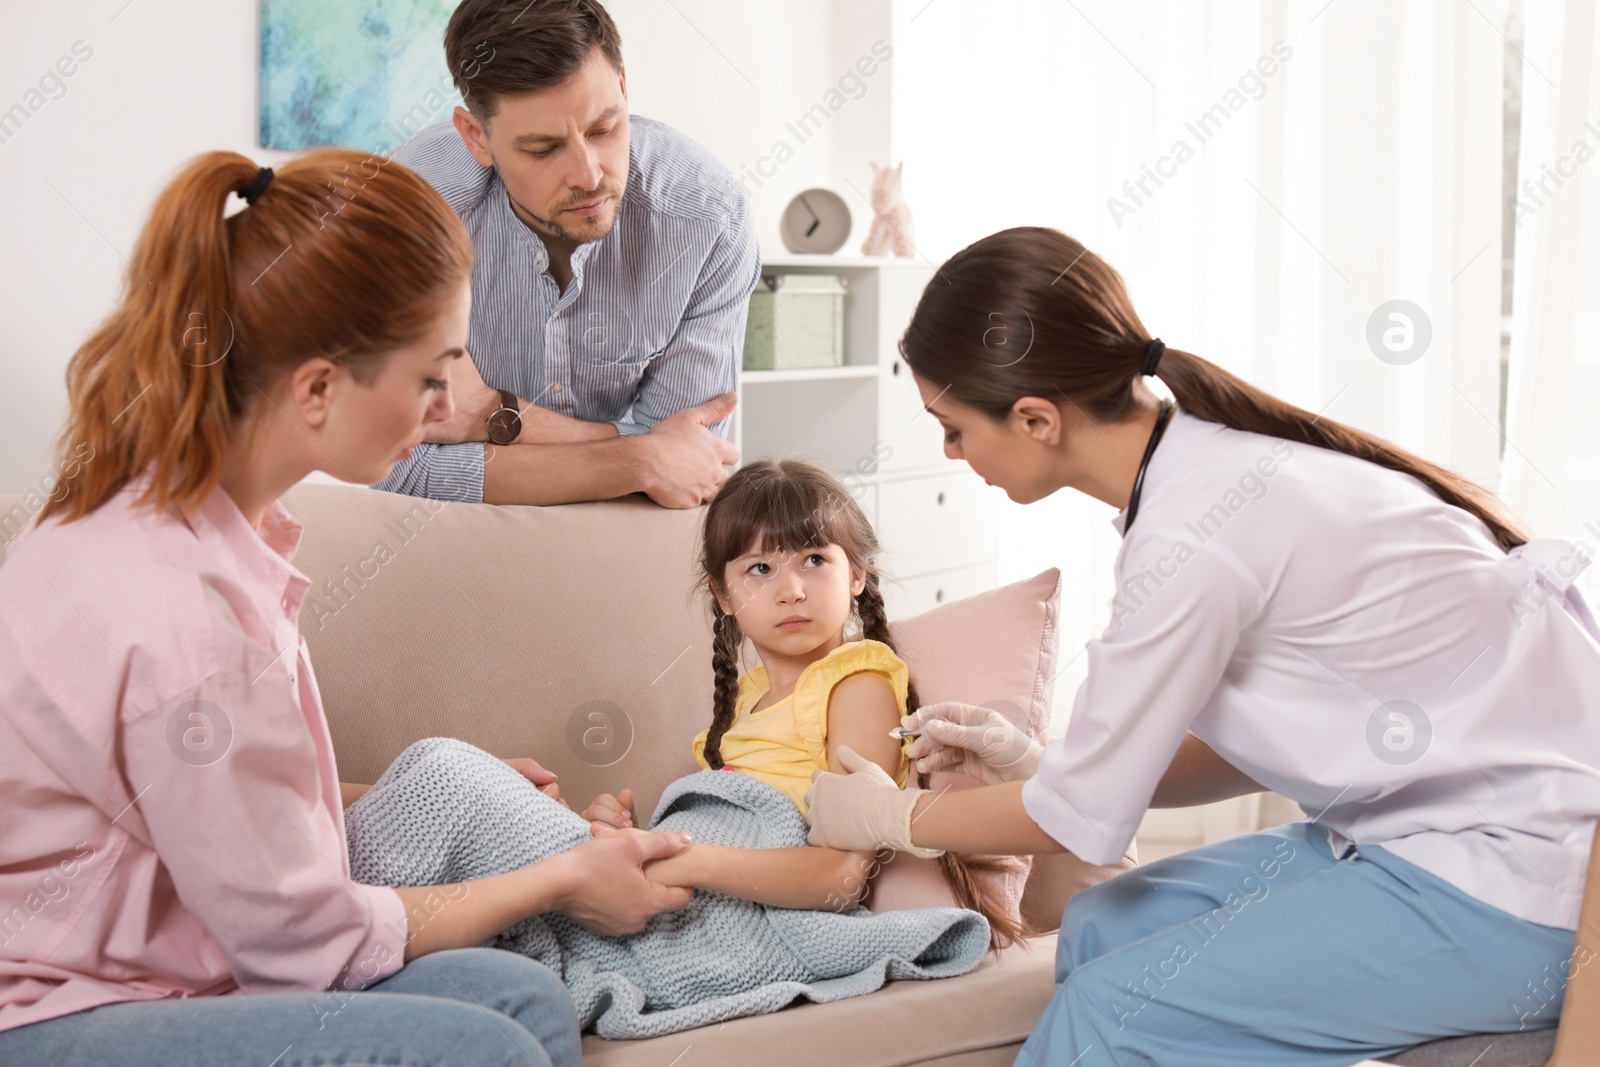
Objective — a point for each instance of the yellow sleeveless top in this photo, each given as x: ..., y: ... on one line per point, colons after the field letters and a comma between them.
x: 782, y: 744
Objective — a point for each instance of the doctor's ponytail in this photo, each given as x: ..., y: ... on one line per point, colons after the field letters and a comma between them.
x: 1002, y: 320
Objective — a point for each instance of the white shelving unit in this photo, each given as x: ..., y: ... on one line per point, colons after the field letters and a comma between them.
x: 937, y: 520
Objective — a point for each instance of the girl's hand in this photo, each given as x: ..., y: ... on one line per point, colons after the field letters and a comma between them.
x: 533, y: 772
x: 609, y: 813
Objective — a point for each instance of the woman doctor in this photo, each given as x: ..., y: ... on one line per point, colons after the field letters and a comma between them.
x: 1299, y: 607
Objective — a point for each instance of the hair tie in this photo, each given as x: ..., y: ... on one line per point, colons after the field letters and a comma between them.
x: 259, y: 186
x: 1152, y: 356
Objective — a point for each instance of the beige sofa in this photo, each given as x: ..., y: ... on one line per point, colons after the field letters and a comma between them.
x: 575, y: 635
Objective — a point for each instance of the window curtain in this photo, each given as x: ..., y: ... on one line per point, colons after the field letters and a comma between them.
x: 1268, y: 177
x: 1551, y: 469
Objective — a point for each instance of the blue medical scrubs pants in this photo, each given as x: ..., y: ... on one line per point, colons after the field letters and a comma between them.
x: 1267, y: 949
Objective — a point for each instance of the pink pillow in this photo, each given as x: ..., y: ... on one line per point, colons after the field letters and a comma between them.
x: 997, y: 649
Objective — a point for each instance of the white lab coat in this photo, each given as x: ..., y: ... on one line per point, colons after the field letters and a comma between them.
x: 1344, y: 637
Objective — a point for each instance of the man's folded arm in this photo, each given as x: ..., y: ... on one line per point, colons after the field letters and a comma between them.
x: 439, y: 472
x: 537, y: 474
x: 564, y: 473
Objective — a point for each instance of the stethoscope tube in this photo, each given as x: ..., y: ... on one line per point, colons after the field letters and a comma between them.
x: 1162, y: 418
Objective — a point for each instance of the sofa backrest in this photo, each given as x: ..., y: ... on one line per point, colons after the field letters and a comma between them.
x: 572, y: 634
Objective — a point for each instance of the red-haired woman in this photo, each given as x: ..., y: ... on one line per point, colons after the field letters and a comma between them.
x: 1299, y: 607
x: 174, y: 832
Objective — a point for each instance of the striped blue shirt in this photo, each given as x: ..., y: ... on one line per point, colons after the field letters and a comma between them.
x: 652, y: 322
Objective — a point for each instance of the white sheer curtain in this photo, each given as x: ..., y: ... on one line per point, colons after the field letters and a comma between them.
x: 1353, y: 157
x: 1551, y: 470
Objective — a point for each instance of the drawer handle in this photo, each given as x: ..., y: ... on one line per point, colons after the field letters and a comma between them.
x: 938, y: 596
x: 894, y: 368
x: 941, y: 496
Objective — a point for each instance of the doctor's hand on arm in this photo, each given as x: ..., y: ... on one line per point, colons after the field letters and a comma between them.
x: 976, y: 741
x: 865, y: 811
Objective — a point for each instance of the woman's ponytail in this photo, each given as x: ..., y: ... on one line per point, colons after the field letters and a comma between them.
x: 341, y: 255
x: 1038, y: 290
x: 148, y: 385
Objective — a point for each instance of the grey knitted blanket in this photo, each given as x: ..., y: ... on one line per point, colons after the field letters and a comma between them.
x: 446, y: 811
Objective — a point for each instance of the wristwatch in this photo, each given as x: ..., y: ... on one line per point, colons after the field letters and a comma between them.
x: 505, y: 422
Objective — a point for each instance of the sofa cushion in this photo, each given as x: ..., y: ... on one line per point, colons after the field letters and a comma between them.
x: 980, y: 1018
x: 1524, y: 1048
x: 570, y: 634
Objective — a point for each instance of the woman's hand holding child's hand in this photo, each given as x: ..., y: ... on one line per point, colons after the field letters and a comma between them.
x: 610, y: 884
x: 609, y: 813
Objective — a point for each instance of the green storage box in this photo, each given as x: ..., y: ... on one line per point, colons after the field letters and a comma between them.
x: 796, y: 321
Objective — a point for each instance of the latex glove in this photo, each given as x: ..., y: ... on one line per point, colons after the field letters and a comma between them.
x: 971, y: 740
x: 862, y: 810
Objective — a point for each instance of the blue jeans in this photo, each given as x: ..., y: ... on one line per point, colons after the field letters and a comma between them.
x: 1265, y: 949
x: 470, y: 1007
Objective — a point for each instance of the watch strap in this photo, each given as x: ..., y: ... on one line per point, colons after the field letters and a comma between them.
x: 502, y: 429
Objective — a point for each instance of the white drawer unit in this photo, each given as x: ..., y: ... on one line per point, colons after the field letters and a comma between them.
x: 936, y: 520
x: 915, y: 438
x: 912, y: 596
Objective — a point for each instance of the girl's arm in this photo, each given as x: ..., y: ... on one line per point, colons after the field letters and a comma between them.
x: 801, y: 877
x: 861, y: 711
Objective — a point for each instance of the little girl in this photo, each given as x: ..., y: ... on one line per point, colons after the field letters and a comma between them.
x: 788, y: 558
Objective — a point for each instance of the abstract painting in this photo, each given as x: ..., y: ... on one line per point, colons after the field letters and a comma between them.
x: 363, y: 74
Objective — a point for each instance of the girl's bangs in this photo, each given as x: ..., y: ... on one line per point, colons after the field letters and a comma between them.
x: 793, y: 520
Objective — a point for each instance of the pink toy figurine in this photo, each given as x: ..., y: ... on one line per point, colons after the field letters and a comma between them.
x: 891, y: 218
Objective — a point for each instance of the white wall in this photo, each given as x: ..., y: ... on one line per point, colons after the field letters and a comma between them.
x: 166, y: 79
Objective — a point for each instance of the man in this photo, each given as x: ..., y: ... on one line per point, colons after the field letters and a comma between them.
x: 616, y: 258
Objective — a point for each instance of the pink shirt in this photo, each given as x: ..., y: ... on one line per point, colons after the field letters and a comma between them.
x: 170, y: 823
